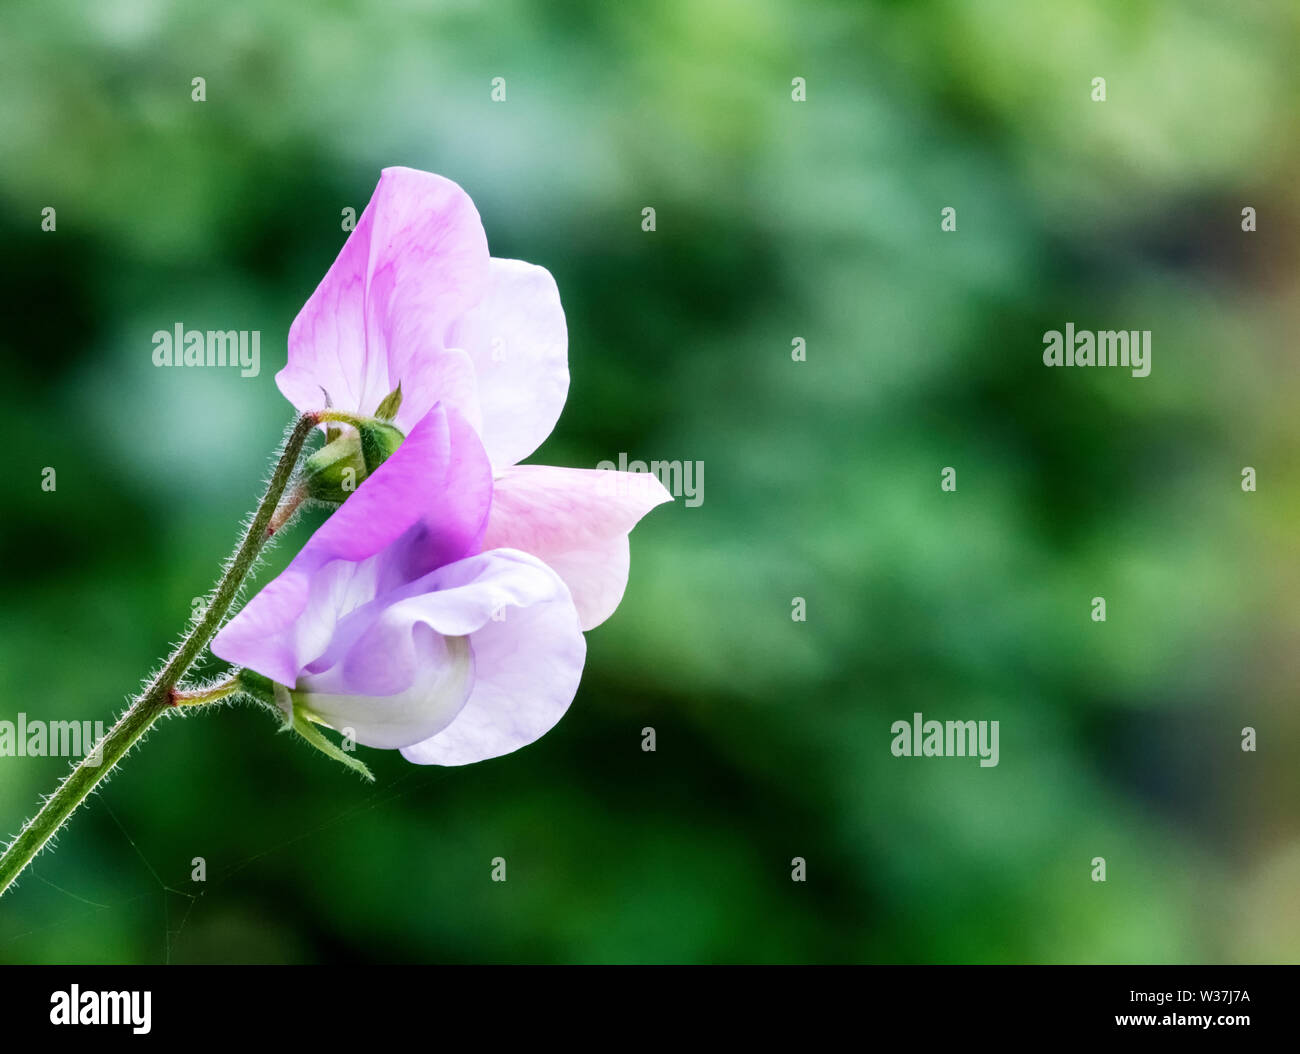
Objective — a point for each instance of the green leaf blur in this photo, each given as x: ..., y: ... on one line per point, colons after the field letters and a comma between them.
x: 775, y: 220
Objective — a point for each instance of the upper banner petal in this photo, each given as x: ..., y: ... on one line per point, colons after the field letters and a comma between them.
x: 416, y: 261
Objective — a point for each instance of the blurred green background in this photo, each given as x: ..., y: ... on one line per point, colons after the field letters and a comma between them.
x: 775, y: 220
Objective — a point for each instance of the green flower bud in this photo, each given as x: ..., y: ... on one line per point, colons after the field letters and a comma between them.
x: 336, y: 469
x: 339, y: 467
x: 378, y: 441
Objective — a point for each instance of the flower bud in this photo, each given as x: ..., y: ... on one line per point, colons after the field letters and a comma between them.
x: 338, y: 468
x: 378, y: 441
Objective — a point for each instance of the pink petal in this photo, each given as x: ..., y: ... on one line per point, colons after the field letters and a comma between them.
x: 416, y: 262
x: 577, y: 522
x: 519, y: 344
x: 527, y: 661
x: 478, y: 657
x: 425, y: 506
x: 440, y: 675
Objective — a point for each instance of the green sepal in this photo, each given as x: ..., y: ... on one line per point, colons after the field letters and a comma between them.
x: 332, y: 431
x: 392, y: 402
x: 284, y: 703
x: 260, y: 688
x: 378, y: 441
x: 279, y: 698
x: 305, y: 728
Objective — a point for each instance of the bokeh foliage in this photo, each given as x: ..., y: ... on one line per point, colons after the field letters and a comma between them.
x: 775, y: 220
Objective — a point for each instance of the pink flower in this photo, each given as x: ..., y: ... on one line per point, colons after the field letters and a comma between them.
x: 440, y: 609
x: 414, y: 298
x: 391, y: 624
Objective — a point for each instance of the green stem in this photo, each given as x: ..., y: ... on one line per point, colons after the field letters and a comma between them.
x: 160, y: 694
x: 199, y: 696
x: 342, y: 417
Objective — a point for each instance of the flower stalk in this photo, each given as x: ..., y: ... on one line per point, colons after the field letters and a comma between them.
x: 161, y: 693
x: 211, y: 694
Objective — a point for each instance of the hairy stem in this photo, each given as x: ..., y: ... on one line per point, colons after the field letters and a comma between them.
x: 342, y: 417
x: 211, y: 694
x: 160, y: 694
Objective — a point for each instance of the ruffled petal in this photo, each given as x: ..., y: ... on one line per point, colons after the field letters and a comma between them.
x: 577, y: 522
x: 416, y: 261
x: 519, y: 343
x: 528, y: 654
x: 426, y: 506
x: 430, y: 688
x: 474, y: 660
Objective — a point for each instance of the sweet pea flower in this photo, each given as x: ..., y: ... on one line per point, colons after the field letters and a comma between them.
x: 414, y: 299
x: 394, y: 625
x: 440, y: 610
